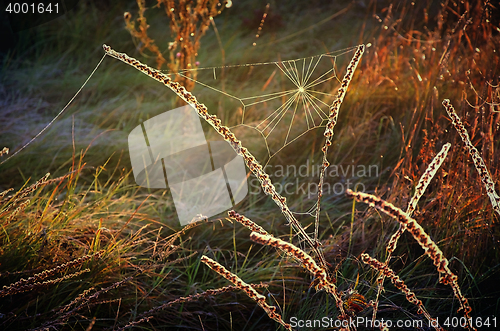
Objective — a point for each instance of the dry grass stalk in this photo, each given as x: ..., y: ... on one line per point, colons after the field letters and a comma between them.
x: 35, y: 281
x: 248, y: 289
x: 478, y: 161
x: 22, y: 194
x: 4, y: 193
x: 228, y: 136
x: 182, y: 258
x: 398, y: 282
x: 307, y: 261
x: 332, y: 121
x: 430, y: 248
x: 78, y: 299
x: 58, y: 179
x: 168, y: 248
x: 249, y: 224
x: 11, y: 290
x: 419, y: 191
x: 98, y: 293
x: 16, y: 211
x: 83, y: 302
x: 426, y: 178
x: 146, y: 316
x: 252, y: 226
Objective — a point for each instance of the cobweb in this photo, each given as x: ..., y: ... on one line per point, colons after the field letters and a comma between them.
x: 281, y: 101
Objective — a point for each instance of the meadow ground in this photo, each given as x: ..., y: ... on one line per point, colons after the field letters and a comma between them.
x: 86, y: 248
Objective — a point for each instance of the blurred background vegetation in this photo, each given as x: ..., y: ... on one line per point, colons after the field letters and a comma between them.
x: 419, y: 53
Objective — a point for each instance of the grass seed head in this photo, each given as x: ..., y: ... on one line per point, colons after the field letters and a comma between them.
x: 478, y: 160
x: 248, y: 289
x: 430, y: 248
x: 249, y: 224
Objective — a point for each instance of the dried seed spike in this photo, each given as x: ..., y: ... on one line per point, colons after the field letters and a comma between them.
x: 252, y: 226
x: 417, y: 231
x: 211, y: 292
x: 11, y: 290
x: 37, y: 278
x: 78, y: 299
x: 32, y: 188
x: 302, y: 256
x: 430, y: 248
x: 478, y: 161
x: 16, y: 211
x: 146, y: 316
x: 426, y: 178
x: 334, y: 111
x: 398, y: 282
x: 247, y: 222
x: 168, y: 246
x: 23, y: 193
x: 58, y: 179
x: 249, y: 290
x: 419, y: 191
x: 307, y: 261
x: 424, y: 181
x: 5, y: 192
x: 225, y: 132
x: 87, y: 302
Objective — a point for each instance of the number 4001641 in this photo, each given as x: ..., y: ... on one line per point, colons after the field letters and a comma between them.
x: 478, y: 322
x: 32, y: 8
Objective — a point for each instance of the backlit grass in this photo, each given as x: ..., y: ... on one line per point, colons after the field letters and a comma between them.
x: 103, y: 253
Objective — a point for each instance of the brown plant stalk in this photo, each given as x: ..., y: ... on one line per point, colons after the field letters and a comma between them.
x: 249, y: 290
x: 419, y: 191
x: 307, y: 261
x: 478, y: 160
x: 146, y: 316
x: 21, y: 194
x: 81, y: 302
x: 11, y: 290
x: 35, y: 281
x: 248, y: 223
x: 332, y: 121
x: 398, y: 282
